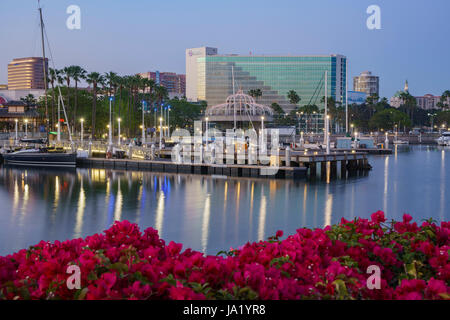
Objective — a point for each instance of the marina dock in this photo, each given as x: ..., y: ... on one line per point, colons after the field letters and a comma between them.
x: 298, y: 166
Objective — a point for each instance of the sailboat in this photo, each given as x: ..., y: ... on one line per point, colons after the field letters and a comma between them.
x: 43, y: 156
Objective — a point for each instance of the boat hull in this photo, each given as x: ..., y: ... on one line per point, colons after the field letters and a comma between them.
x: 41, y: 159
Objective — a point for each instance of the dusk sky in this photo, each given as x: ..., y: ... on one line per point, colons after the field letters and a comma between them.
x: 145, y: 35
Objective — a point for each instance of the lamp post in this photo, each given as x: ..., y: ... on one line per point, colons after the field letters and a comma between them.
x: 118, y: 138
x: 168, y: 121
x: 143, y: 123
x: 58, y: 137
x: 156, y: 112
x: 26, y: 127
x: 206, y: 131
x: 431, y: 115
x: 327, y: 133
x: 386, y: 141
x: 82, y: 130
x: 110, y: 122
x: 17, y: 138
x: 160, y: 119
x: 160, y: 132
x: 165, y: 120
x: 326, y: 113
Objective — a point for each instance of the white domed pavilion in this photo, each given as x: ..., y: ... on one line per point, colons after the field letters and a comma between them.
x: 239, y: 108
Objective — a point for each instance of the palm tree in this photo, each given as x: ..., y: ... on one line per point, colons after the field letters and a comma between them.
x: 127, y: 83
x: 409, y: 102
x: 95, y: 79
x: 53, y: 77
x: 110, y: 79
x: 110, y: 86
x: 255, y: 93
x: 67, y: 73
x: 444, y: 101
x: 120, y: 83
x: 149, y: 84
x: 78, y: 73
x: 29, y: 100
x: 293, y: 97
x: 371, y: 102
x: 160, y: 94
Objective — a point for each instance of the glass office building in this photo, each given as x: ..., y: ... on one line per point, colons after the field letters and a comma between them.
x: 274, y: 75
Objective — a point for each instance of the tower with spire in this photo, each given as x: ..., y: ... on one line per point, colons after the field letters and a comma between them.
x: 406, y: 86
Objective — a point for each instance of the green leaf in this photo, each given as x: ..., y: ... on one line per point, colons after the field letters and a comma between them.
x: 411, y: 269
x: 341, y: 288
x: 444, y: 296
x: 82, y: 293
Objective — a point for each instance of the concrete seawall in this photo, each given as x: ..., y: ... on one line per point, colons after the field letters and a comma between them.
x: 233, y: 170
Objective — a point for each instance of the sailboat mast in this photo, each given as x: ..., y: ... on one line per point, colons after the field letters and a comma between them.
x: 44, y: 68
x: 234, y: 99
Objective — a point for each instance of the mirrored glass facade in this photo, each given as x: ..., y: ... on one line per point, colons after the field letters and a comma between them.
x: 274, y: 75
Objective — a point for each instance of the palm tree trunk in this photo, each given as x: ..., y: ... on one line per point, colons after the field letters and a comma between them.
x: 120, y: 101
x: 75, y: 108
x: 68, y: 99
x: 94, y: 106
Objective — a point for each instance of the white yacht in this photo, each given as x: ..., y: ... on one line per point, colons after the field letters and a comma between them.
x: 444, y: 140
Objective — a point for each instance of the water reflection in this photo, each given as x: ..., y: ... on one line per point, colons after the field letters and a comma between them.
x: 211, y: 214
x: 80, y: 210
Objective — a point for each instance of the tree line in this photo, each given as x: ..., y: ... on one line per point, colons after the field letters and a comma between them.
x: 127, y: 94
x: 373, y: 114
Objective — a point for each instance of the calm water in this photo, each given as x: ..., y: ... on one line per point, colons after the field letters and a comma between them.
x: 210, y: 214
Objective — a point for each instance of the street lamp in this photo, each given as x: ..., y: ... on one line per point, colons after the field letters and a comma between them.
x: 327, y: 133
x: 160, y: 132
x: 118, y: 138
x: 82, y: 133
x: 206, y: 130
x: 110, y: 122
x: 143, y: 123
x: 168, y: 121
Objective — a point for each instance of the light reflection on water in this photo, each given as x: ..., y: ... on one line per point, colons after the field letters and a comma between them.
x: 210, y: 214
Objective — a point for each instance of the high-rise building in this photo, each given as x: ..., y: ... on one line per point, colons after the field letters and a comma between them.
x: 26, y: 73
x: 192, y: 56
x: 174, y: 83
x: 209, y: 76
x: 367, y: 83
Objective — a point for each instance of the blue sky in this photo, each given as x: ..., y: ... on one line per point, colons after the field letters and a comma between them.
x: 130, y: 36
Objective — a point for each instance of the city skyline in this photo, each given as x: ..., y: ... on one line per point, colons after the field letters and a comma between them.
x: 161, y: 32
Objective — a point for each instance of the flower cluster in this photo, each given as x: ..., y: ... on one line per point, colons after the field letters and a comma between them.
x: 329, y: 263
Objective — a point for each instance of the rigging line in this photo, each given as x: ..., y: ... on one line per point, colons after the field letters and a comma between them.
x: 59, y: 89
x: 317, y: 90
